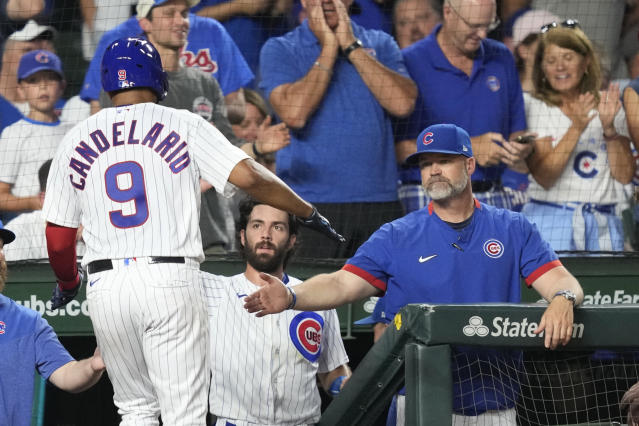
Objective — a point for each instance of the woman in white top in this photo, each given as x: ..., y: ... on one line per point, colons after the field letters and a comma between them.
x: 582, y: 158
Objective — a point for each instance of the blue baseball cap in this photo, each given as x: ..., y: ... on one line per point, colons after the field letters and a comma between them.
x: 5, y: 235
x: 39, y: 60
x: 442, y: 138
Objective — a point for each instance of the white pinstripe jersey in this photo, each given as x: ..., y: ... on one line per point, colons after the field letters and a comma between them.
x: 264, y: 369
x: 24, y: 147
x: 130, y: 176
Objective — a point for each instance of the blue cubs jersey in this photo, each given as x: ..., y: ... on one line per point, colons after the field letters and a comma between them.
x: 208, y: 47
x: 422, y: 259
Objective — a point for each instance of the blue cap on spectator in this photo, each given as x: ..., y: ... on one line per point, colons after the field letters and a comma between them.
x: 39, y: 60
x: 376, y: 316
x: 5, y: 235
x: 442, y: 138
x: 144, y: 6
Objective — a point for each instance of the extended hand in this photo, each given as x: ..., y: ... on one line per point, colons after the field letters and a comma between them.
x: 488, y: 149
x: 581, y: 111
x: 557, y: 322
x: 609, y: 105
x: 271, y: 298
x: 344, y: 30
x: 319, y: 27
x: 97, y: 363
x: 319, y: 223
x: 272, y: 138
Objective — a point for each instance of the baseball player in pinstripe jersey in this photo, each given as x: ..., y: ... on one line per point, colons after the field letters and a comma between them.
x: 265, y: 372
x: 130, y: 176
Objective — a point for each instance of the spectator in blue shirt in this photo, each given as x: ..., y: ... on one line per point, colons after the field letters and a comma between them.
x: 28, y: 343
x: 336, y: 85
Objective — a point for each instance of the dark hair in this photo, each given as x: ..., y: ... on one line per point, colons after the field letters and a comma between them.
x: 43, y: 174
x: 245, y: 209
x: 576, y: 40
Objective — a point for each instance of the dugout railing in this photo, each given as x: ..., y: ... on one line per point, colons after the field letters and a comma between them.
x: 416, y: 350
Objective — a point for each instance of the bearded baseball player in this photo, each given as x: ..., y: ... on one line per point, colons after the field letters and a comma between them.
x: 130, y: 176
x: 265, y: 371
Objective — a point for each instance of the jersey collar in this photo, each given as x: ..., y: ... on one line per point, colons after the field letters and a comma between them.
x: 430, y: 206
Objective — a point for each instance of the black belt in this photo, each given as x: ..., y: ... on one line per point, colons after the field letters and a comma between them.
x: 482, y: 185
x: 106, y: 264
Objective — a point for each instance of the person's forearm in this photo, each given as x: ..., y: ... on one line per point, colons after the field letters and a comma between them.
x: 328, y: 291
x: 326, y: 379
x: 395, y: 93
x: 295, y: 103
x: 62, y: 252
x: 222, y: 11
x: 620, y: 158
x: 11, y: 203
x: 263, y: 185
x: 21, y: 10
x: 76, y: 376
x: 547, y: 165
x: 88, y: 9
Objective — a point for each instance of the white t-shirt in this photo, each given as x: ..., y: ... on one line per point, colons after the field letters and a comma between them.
x: 586, y: 177
x: 24, y: 147
x: 130, y: 175
x: 264, y: 369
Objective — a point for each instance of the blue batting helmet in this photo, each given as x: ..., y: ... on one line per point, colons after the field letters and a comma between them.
x: 131, y: 63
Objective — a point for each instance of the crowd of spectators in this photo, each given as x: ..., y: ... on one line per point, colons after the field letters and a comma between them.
x: 330, y: 95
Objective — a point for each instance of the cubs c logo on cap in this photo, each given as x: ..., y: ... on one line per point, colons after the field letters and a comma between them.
x: 493, y: 248
x: 306, y: 334
x: 42, y: 57
x: 427, y: 139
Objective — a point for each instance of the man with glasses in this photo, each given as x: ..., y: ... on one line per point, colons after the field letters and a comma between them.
x: 471, y: 81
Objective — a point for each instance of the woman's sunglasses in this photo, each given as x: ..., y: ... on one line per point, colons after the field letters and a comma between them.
x: 568, y: 23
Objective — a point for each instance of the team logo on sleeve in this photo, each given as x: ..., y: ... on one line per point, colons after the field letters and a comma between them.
x: 306, y: 334
x: 3, y: 327
x: 493, y: 83
x: 585, y: 164
x: 493, y: 248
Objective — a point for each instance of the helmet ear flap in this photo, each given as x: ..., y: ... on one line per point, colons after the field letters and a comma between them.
x: 133, y: 62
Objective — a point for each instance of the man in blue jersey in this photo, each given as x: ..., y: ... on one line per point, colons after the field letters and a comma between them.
x: 469, y: 80
x: 208, y: 47
x: 28, y: 343
x: 457, y: 251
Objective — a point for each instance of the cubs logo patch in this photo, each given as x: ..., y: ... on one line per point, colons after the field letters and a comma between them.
x: 306, y: 334
x: 427, y: 139
x: 493, y: 83
x: 493, y: 248
x: 584, y: 164
x: 42, y: 57
x: 3, y: 327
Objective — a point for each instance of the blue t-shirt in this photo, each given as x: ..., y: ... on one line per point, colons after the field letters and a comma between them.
x: 208, y: 47
x: 345, y: 151
x: 421, y: 259
x: 27, y: 343
x: 489, y: 100
x: 9, y: 114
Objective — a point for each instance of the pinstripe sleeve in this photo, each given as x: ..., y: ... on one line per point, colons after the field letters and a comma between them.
x: 333, y: 352
x: 215, y: 156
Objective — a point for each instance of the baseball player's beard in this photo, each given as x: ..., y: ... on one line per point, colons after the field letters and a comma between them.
x: 3, y: 274
x: 441, y: 188
x: 264, y: 262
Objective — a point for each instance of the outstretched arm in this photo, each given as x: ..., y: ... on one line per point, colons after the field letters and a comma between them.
x: 557, y: 320
x: 77, y: 376
x: 321, y: 292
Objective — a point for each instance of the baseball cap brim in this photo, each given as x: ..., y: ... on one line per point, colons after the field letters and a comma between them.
x: 33, y: 30
x: 413, y: 159
x: 144, y: 6
x: 38, y: 69
x: 7, y: 236
x: 366, y: 320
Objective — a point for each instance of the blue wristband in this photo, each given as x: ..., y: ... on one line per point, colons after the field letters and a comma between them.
x: 336, y: 386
